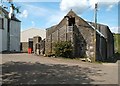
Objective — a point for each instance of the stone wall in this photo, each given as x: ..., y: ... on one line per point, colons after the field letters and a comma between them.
x: 82, y: 37
x: 42, y: 47
x: 104, y: 29
x: 24, y: 47
x: 36, y: 39
x: 38, y: 44
x: 87, y: 42
x: 48, y: 45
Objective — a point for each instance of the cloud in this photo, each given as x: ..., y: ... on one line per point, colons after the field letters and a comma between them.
x: 34, y: 0
x: 115, y: 29
x: 80, y: 6
x: 55, y: 18
x: 51, y: 16
x: 110, y: 7
x: 77, y: 5
x: 34, y: 10
x: 108, y: 3
x: 33, y: 23
x: 24, y: 14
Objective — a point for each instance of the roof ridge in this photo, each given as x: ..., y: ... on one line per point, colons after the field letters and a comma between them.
x: 32, y: 28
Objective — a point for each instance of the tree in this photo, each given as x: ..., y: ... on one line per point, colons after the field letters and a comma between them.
x: 63, y: 49
x: 12, y: 7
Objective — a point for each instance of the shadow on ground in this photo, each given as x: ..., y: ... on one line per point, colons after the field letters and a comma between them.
x: 11, y: 52
x: 36, y: 73
x: 114, y: 58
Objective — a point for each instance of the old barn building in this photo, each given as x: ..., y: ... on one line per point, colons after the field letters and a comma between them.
x: 81, y: 33
x: 9, y: 32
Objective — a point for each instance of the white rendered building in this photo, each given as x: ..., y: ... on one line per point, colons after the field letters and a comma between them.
x: 9, y: 32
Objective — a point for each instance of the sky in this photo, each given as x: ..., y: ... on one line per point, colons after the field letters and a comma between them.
x: 43, y: 14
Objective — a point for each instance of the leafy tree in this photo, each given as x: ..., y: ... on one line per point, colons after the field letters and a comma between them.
x: 117, y: 42
x: 63, y: 49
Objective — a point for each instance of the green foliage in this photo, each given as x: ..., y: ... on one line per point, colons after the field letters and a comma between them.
x: 63, y: 49
x: 117, y: 42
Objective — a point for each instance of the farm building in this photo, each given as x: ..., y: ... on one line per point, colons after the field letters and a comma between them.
x: 81, y: 34
x: 9, y: 32
x: 29, y: 36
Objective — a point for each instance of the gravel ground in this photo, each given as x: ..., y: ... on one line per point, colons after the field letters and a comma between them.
x: 31, y: 69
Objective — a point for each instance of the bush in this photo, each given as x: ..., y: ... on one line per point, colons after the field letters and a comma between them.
x: 117, y: 42
x: 63, y: 49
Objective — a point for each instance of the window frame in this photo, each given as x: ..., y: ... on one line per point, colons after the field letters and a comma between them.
x: 2, y: 22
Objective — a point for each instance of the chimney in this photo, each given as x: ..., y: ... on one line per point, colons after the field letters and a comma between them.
x: 11, y: 13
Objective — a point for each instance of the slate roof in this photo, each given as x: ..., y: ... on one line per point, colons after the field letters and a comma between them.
x: 82, y: 22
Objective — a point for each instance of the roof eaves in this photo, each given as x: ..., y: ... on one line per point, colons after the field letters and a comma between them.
x: 15, y: 19
x: 96, y: 30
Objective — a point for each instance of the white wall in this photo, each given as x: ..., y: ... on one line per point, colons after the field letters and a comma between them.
x: 15, y: 35
x: 0, y: 40
x: 3, y: 37
x: 30, y: 33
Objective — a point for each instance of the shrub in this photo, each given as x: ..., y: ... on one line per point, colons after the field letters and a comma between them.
x: 63, y: 49
x: 117, y: 42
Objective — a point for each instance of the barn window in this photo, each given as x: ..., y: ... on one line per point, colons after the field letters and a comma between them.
x: 1, y: 23
x: 69, y: 29
x: 71, y: 21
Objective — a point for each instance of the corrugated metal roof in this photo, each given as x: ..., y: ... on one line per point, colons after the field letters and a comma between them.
x: 30, y: 33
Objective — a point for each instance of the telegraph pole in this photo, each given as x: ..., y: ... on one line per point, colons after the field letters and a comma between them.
x: 96, y: 6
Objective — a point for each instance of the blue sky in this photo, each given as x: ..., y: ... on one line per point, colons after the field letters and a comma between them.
x: 43, y: 14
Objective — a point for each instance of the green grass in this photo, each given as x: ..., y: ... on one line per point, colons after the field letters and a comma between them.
x: 117, y: 42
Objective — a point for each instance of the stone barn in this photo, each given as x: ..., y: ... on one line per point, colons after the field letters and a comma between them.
x: 81, y: 34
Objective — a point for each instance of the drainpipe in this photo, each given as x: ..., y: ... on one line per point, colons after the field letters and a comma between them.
x: 8, y: 35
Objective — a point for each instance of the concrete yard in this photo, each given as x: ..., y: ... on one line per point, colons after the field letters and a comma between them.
x: 22, y: 68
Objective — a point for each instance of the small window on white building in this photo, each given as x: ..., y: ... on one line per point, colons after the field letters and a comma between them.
x: 1, y: 23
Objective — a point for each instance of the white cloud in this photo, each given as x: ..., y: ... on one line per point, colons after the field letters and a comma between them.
x: 107, y: 3
x: 77, y: 5
x: 33, y: 23
x: 35, y: 0
x: 52, y: 16
x: 110, y: 7
x: 92, y: 3
x: 80, y: 6
x: 55, y: 18
x: 115, y: 29
x: 35, y: 10
x: 24, y: 14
